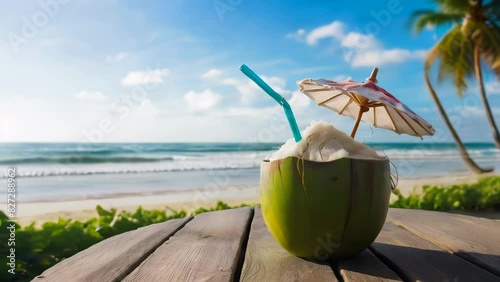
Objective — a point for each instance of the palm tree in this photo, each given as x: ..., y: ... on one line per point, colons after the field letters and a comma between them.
x: 461, y: 148
x: 473, y: 39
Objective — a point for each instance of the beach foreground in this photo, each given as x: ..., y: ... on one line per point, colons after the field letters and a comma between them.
x: 43, y: 211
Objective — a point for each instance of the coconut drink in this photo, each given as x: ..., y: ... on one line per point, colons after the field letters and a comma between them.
x: 323, y: 194
x: 326, y: 196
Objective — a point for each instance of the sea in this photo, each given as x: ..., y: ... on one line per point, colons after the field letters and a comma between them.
x: 72, y: 171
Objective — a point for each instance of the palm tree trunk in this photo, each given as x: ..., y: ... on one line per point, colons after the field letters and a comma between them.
x: 482, y: 92
x: 461, y: 148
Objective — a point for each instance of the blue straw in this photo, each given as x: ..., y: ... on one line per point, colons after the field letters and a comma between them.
x: 288, y: 110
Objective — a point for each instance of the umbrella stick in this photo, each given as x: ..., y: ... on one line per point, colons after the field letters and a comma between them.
x: 362, y: 109
x: 358, y: 119
x: 373, y: 75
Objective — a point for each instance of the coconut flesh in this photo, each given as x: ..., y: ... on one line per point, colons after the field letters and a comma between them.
x: 321, y: 142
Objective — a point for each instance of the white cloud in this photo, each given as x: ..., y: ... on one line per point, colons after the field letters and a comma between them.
x: 145, y: 109
x: 333, y: 30
x: 145, y: 77
x: 248, y: 89
x: 39, y: 119
x: 430, y: 27
x: 358, y: 40
x: 201, y: 101
x: 91, y: 95
x: 359, y: 49
x: 117, y: 58
x: 297, y: 35
x: 341, y: 77
x: 212, y: 73
x: 53, y: 42
x: 299, y: 101
x: 493, y: 87
x: 271, y: 63
x: 231, y: 81
x: 381, y: 57
x: 247, y: 112
x: 312, y: 69
x: 475, y: 111
x: 275, y: 82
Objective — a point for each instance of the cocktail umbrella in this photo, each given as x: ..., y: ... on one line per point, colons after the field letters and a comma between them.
x: 368, y: 102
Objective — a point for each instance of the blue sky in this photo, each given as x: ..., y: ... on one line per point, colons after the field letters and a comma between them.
x: 168, y: 71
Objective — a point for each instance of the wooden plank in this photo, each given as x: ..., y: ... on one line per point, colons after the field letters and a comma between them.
x: 366, y: 267
x: 113, y: 258
x: 418, y: 259
x: 207, y: 249
x: 474, y: 239
x: 266, y: 260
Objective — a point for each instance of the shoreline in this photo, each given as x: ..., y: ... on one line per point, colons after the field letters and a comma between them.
x: 83, y: 209
x: 44, y: 211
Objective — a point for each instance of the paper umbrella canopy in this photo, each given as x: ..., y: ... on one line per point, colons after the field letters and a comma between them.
x: 367, y: 102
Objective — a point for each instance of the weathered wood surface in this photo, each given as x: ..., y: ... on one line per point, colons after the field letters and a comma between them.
x: 114, y: 258
x: 266, y: 260
x: 474, y: 239
x: 365, y: 267
x: 419, y: 260
x: 236, y: 245
x: 206, y: 249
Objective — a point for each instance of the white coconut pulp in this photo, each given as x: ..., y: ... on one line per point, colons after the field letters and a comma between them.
x: 321, y: 142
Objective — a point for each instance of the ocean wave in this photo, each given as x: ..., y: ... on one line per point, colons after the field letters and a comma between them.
x: 119, y: 148
x: 142, y: 158
x: 82, y: 160
x: 448, y: 154
x: 94, y: 171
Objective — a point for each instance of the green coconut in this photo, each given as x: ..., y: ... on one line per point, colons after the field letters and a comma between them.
x: 324, y: 210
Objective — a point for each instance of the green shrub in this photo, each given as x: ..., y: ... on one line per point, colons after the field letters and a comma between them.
x: 40, y: 248
x: 483, y: 195
x: 220, y: 206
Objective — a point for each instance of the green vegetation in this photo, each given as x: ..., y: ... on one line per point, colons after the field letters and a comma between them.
x: 483, y: 195
x: 37, y: 249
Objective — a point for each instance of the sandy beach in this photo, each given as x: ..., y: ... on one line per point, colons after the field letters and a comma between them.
x: 43, y: 211
x: 84, y: 209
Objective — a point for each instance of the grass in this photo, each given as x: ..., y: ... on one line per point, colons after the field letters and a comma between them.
x: 483, y: 195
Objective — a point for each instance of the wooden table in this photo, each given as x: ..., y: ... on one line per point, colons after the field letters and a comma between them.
x: 236, y: 245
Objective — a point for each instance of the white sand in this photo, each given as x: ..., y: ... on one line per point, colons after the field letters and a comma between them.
x: 85, y: 209
x: 321, y: 142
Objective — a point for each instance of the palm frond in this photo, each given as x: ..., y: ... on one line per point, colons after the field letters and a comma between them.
x: 487, y: 38
x: 423, y: 19
x: 455, y: 57
x: 455, y: 51
x: 453, y: 6
x: 493, y: 61
x: 495, y: 66
x: 431, y: 57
